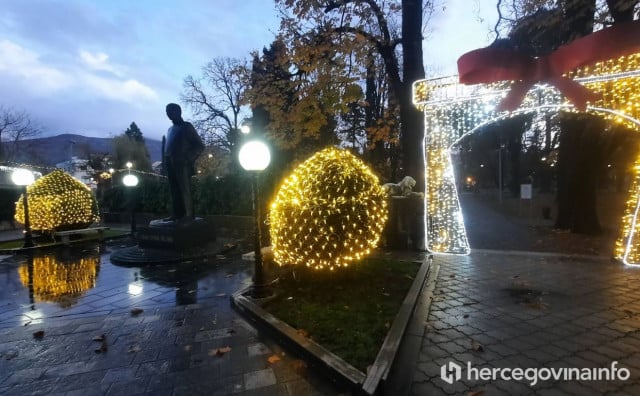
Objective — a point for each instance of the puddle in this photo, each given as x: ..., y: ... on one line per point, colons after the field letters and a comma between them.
x: 81, y: 280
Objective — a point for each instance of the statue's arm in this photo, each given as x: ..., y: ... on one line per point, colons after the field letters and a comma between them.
x: 195, y: 141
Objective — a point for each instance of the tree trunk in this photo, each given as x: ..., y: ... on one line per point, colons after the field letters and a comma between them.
x: 412, y: 122
x: 580, y: 155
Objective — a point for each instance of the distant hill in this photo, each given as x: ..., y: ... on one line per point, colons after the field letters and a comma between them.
x: 55, y: 149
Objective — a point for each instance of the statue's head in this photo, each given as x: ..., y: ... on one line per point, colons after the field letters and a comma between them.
x: 174, y: 112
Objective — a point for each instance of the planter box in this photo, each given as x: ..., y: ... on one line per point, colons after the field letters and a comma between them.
x: 325, y: 360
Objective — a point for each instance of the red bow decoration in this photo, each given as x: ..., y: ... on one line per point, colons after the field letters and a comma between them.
x: 487, y: 65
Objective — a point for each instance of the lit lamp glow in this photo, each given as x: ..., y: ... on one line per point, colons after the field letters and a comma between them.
x: 254, y: 156
x: 130, y: 181
x: 24, y: 178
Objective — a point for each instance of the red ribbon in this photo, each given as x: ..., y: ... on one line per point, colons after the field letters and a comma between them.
x: 487, y: 65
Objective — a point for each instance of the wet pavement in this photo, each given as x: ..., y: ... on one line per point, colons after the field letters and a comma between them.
x: 506, y: 310
x: 73, y: 323
x: 171, y: 330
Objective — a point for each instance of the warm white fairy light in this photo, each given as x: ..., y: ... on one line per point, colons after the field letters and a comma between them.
x: 453, y: 110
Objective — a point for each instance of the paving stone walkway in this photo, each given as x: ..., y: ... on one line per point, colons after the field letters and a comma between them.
x: 507, y: 310
x: 185, y: 339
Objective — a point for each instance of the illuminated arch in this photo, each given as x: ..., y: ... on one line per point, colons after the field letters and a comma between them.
x: 453, y: 110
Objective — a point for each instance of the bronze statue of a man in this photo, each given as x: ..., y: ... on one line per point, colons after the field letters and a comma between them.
x: 182, y: 149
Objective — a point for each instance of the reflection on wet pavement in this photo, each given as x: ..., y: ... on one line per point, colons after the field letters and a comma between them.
x: 81, y: 281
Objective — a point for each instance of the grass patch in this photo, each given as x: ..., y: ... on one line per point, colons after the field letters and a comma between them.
x: 349, y: 311
x: 12, y: 244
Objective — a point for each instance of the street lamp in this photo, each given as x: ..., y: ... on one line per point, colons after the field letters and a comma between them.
x: 254, y: 157
x: 130, y: 181
x: 24, y: 177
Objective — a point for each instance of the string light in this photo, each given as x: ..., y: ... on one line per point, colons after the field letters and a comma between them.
x: 328, y: 213
x: 453, y: 111
x: 58, y: 201
x: 60, y: 282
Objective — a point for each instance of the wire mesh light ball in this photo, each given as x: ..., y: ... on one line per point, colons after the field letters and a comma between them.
x: 57, y: 201
x: 328, y: 213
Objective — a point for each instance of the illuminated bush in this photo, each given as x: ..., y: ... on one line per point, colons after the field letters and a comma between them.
x: 330, y: 211
x: 57, y: 201
x: 59, y: 281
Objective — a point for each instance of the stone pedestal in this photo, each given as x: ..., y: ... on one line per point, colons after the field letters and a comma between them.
x: 165, y: 242
x: 176, y: 236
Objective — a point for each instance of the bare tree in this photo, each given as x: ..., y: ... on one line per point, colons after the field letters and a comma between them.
x: 15, y: 127
x: 216, y: 101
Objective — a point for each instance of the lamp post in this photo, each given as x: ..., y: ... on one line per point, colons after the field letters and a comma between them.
x: 130, y: 181
x: 24, y: 177
x: 254, y: 157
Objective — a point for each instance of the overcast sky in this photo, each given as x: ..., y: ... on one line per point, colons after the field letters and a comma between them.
x: 92, y: 67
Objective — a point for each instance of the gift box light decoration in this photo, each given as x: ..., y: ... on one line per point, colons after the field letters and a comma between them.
x: 57, y: 201
x: 604, y: 80
x: 329, y: 212
x: 58, y: 281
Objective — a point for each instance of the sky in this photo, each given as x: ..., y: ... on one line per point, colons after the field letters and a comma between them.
x: 92, y: 67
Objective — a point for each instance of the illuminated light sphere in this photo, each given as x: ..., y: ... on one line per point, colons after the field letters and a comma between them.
x: 328, y: 213
x: 130, y: 180
x: 22, y: 177
x: 57, y: 202
x: 254, y: 156
x: 61, y: 282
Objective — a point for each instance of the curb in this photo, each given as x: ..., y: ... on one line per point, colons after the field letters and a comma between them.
x: 401, y: 375
x: 325, y: 360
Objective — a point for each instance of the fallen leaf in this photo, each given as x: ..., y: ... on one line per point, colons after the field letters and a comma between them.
x: 476, y: 346
x: 100, y: 337
x: 273, y: 358
x: 38, y: 335
x: 134, y: 348
x: 136, y: 311
x: 303, y: 333
x: 538, y: 305
x: 103, y: 347
x: 299, y: 366
x: 219, y: 351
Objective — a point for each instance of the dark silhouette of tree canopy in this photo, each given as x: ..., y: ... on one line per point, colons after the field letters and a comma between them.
x: 134, y: 133
x: 130, y: 147
x: 584, y: 139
